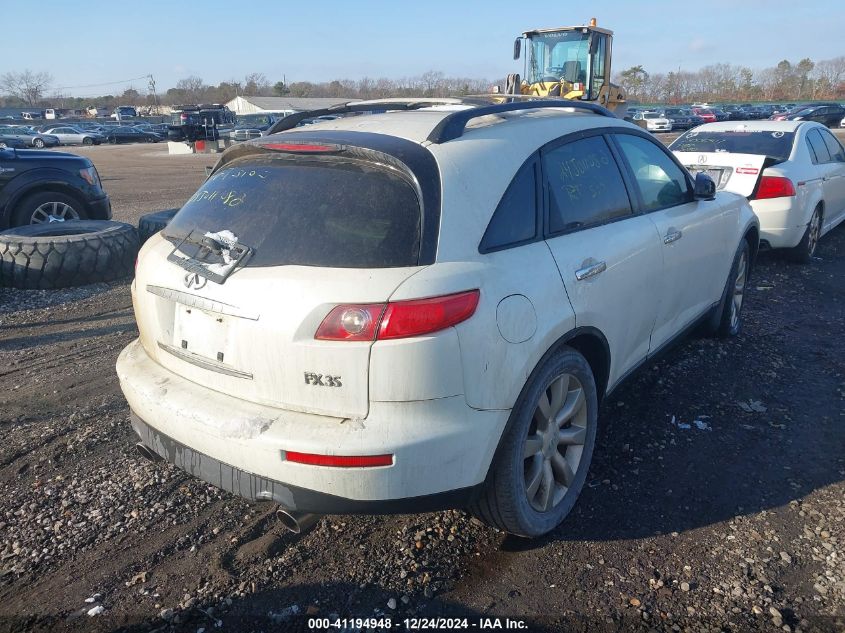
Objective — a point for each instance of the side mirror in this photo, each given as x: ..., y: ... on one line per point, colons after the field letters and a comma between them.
x: 517, y: 48
x: 208, y: 170
x: 705, y: 188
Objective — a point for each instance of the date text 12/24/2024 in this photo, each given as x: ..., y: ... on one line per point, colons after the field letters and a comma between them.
x: 418, y: 624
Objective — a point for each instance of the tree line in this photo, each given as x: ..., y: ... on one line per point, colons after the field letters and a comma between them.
x: 804, y: 80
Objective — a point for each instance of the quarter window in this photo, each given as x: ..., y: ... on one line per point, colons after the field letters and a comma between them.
x: 661, y: 182
x: 585, y: 185
x: 515, y: 219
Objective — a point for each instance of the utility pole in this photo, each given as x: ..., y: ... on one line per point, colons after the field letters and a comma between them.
x: 152, y: 88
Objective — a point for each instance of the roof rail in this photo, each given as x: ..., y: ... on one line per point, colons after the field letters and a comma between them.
x: 292, y: 120
x: 453, y: 126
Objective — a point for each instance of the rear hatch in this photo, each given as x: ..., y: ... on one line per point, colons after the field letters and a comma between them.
x: 734, y: 159
x: 231, y: 294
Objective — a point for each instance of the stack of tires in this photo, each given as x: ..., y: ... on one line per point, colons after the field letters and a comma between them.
x: 73, y: 253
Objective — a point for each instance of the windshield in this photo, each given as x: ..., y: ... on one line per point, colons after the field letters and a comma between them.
x: 776, y: 144
x: 553, y: 56
x: 255, y: 119
x: 651, y: 115
x: 332, y: 212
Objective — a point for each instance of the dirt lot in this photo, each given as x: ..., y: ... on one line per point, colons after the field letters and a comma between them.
x: 716, y: 501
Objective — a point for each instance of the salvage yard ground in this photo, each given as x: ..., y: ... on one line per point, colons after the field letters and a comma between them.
x: 716, y: 500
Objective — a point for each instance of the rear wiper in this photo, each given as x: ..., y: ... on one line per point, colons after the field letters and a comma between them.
x: 216, y: 257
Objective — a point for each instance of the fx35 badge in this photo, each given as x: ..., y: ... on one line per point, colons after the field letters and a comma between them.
x: 319, y: 380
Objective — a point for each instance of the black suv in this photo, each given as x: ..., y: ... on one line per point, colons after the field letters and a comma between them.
x: 199, y: 122
x: 38, y: 186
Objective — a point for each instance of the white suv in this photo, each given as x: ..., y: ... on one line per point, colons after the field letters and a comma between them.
x: 423, y: 309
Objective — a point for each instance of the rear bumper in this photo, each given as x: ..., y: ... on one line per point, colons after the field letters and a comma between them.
x: 258, y: 488
x: 442, y: 448
x: 781, y: 224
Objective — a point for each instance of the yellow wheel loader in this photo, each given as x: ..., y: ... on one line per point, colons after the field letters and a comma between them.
x: 571, y: 62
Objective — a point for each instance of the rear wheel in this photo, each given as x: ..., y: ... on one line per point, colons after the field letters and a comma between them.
x: 543, y: 458
x: 730, y: 322
x: 806, y: 248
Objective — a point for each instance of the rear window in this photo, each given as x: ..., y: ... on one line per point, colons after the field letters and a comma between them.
x: 331, y: 212
x: 776, y: 144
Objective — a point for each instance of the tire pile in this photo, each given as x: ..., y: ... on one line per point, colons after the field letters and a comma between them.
x: 73, y: 253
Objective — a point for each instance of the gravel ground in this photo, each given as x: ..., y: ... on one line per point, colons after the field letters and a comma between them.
x: 716, y: 501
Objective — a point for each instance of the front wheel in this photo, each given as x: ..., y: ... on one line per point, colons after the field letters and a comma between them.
x: 39, y: 143
x: 544, y: 455
x: 87, y: 141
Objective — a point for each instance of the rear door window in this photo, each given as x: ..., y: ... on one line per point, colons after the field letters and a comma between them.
x: 584, y: 185
x: 834, y: 147
x: 330, y: 212
x: 819, y: 149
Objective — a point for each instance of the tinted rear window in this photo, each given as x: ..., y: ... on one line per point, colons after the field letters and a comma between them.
x: 776, y: 144
x: 332, y: 212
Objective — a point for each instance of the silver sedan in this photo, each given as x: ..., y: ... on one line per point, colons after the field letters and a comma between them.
x: 69, y: 135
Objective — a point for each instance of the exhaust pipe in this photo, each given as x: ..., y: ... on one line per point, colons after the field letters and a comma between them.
x: 297, y: 522
x: 148, y: 453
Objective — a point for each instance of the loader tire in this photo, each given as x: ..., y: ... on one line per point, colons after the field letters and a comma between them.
x: 152, y: 223
x: 65, y: 254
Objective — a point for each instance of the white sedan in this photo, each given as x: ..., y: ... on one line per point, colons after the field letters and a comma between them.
x: 69, y: 135
x: 654, y: 121
x: 793, y: 172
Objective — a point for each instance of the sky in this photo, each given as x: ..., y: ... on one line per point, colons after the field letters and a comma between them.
x: 98, y: 42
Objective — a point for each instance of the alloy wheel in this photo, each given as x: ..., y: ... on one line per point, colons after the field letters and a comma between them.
x: 813, y: 236
x: 739, y: 289
x: 555, y: 441
x: 53, y: 212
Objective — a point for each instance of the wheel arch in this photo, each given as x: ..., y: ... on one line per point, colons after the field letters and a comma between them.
x: 42, y: 187
x: 591, y: 343
x: 752, y: 236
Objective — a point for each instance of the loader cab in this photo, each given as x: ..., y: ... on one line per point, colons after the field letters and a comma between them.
x: 571, y: 62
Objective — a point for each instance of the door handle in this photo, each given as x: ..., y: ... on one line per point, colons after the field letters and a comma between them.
x: 590, y: 271
x: 673, y: 236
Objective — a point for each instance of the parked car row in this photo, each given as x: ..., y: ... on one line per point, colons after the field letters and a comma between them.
x: 686, y: 117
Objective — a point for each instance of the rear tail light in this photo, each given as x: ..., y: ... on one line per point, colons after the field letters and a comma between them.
x: 89, y: 175
x: 339, y: 461
x: 774, y: 187
x: 399, y: 319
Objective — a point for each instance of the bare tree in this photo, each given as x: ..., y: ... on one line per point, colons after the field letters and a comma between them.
x: 27, y: 86
x: 192, y: 88
x: 256, y: 84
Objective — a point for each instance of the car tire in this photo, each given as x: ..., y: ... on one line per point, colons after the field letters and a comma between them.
x: 65, y: 254
x: 38, y: 208
x: 806, y: 248
x: 87, y: 141
x: 532, y: 485
x: 39, y: 143
x: 152, y: 223
x: 726, y: 320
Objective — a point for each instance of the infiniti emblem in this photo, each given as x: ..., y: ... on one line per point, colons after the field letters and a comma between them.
x: 195, y: 281
x: 702, y: 158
